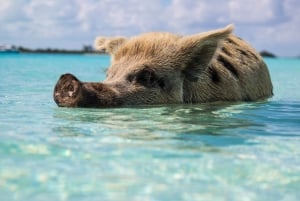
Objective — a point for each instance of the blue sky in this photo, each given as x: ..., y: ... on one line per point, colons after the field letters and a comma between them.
x: 272, y: 25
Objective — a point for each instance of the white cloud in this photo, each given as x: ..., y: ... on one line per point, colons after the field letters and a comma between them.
x: 267, y: 24
x: 289, y: 30
x: 51, y: 19
x: 248, y: 11
x: 271, y: 25
x: 182, y: 14
x: 4, y: 6
x: 117, y: 16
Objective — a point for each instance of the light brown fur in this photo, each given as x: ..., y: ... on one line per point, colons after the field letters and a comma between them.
x: 163, y: 68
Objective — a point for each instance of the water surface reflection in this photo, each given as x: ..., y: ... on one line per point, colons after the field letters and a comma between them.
x: 192, y: 126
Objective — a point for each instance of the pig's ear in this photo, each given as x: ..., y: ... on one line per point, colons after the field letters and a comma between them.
x: 198, y: 50
x: 108, y: 45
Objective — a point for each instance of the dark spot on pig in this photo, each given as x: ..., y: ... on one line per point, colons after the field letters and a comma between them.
x: 228, y: 65
x: 214, y: 75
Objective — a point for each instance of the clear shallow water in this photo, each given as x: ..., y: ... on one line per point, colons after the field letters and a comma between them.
x: 247, y: 151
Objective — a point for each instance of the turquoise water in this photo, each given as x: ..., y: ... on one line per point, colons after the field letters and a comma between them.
x: 246, y: 151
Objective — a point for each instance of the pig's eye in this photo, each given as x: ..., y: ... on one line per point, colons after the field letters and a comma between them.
x: 148, y: 78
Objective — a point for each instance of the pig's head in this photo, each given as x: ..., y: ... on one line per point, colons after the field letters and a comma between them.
x: 145, y: 70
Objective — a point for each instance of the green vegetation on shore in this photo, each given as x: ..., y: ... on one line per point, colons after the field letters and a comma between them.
x: 84, y: 50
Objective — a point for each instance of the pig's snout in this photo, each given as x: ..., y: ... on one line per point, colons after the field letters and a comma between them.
x: 67, y: 91
x: 71, y: 92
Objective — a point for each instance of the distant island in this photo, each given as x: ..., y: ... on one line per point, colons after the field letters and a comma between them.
x: 86, y: 49
x: 265, y: 53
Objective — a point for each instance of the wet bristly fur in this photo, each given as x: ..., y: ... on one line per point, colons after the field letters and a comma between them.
x: 160, y: 68
x: 235, y: 73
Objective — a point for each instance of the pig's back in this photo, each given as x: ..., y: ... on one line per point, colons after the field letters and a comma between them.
x: 236, y: 73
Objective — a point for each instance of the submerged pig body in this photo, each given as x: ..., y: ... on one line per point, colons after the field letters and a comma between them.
x: 162, y: 68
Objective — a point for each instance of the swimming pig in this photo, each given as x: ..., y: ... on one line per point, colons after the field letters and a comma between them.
x: 163, y: 68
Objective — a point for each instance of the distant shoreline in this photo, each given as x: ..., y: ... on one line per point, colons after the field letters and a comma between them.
x: 13, y: 49
x: 87, y: 50
x: 58, y: 51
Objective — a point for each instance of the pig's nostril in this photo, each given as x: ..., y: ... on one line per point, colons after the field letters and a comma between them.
x: 57, y: 94
x: 69, y: 87
x: 70, y: 93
